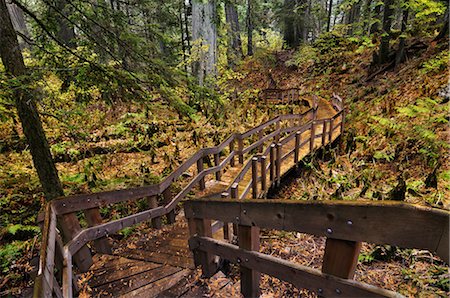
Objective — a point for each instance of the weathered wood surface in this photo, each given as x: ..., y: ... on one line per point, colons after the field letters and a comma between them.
x: 300, y: 276
x: 347, y: 220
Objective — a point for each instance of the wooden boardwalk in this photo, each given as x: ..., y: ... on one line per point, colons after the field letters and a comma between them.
x: 149, y: 267
x: 159, y: 262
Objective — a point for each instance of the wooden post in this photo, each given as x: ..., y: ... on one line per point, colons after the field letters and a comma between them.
x: 241, y: 148
x: 263, y: 176
x: 71, y: 227
x: 167, y: 196
x: 202, y: 228
x: 324, y: 131
x: 313, y: 137
x: 234, y: 191
x: 153, y: 203
x: 298, y: 136
x: 235, y: 195
x: 201, y: 183
x: 255, y: 177
x: 260, y: 136
x: 330, y: 133
x: 277, y: 127
x: 272, y: 164
x: 341, y: 257
x: 232, y: 161
x: 67, y: 275
x: 94, y: 218
x: 278, y: 164
x: 216, y: 163
x: 249, y: 240
x: 226, y: 230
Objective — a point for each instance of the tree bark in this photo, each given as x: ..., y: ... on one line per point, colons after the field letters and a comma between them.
x: 204, y: 33
x: 65, y: 31
x: 26, y: 107
x: 445, y: 24
x: 295, y: 22
x: 249, y: 29
x: 400, y: 56
x: 234, y: 49
x: 386, y: 36
x: 330, y: 8
x: 375, y: 27
x: 18, y: 21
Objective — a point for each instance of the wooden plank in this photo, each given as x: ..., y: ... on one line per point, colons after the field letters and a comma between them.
x: 153, y: 203
x: 248, y: 238
x: 300, y: 276
x: 232, y: 161
x: 240, y: 150
x: 263, y: 175
x: 216, y: 163
x: 272, y: 164
x: 341, y: 257
x: 70, y: 228
x: 167, y: 197
x: 133, y: 282
x: 119, y: 272
x: 94, y: 218
x: 298, y: 137
x: 279, y: 152
x: 114, y: 226
x: 202, y: 227
x: 199, y: 170
x: 254, y: 177
x: 346, y: 220
x: 161, y: 287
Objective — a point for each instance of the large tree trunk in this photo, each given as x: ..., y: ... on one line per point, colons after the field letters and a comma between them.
x: 249, y: 28
x: 18, y: 21
x: 234, y: 49
x: 204, y: 33
x: 386, y: 37
x: 26, y: 108
x: 65, y: 31
x: 294, y: 19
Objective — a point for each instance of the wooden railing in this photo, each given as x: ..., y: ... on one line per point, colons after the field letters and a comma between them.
x: 344, y: 223
x: 59, y: 250
x: 283, y: 96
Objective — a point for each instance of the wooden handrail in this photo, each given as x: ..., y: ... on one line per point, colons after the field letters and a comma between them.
x: 389, y: 222
x: 46, y: 283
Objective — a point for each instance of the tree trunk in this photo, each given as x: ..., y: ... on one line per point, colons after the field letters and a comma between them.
x: 294, y: 19
x: 18, y: 21
x: 366, y: 16
x: 26, y: 107
x: 234, y: 49
x: 330, y: 8
x: 444, y: 30
x: 65, y: 32
x: 375, y: 27
x: 400, y: 56
x: 204, y: 33
x: 249, y: 29
x: 385, y: 38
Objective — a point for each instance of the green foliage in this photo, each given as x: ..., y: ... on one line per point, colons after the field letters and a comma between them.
x: 305, y: 57
x: 9, y: 253
x: 436, y: 64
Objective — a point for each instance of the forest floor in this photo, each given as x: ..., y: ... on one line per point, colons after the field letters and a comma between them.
x: 395, y: 142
